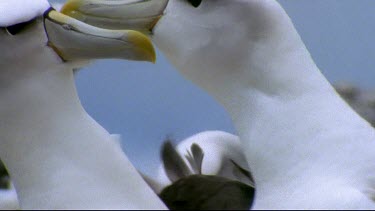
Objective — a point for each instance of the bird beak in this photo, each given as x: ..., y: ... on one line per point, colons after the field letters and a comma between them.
x: 75, y: 40
x: 140, y: 15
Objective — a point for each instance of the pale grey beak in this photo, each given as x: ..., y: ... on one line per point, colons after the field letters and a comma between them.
x: 140, y: 15
x: 75, y: 40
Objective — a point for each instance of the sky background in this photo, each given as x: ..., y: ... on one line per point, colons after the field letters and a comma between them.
x: 146, y: 103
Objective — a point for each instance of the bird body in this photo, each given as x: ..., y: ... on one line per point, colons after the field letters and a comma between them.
x: 221, y: 156
x: 205, y: 171
x: 58, y: 156
x: 306, y: 147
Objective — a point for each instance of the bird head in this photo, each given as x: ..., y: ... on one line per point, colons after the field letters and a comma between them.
x: 203, y: 39
x: 32, y: 31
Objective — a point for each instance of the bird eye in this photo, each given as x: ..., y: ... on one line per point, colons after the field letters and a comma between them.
x: 19, y: 27
x: 195, y: 3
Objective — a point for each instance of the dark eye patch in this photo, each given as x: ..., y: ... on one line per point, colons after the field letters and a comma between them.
x: 195, y: 3
x: 19, y: 27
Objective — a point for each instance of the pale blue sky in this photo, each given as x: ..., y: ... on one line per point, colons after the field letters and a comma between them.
x: 147, y: 102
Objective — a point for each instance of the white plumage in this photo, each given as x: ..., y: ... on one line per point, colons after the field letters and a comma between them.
x: 57, y: 156
x: 306, y: 147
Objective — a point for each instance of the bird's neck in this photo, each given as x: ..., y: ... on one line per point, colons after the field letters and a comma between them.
x: 56, y: 154
x: 287, y: 114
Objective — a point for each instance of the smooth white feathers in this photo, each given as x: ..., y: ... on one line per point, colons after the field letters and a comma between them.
x: 18, y: 11
x: 306, y: 147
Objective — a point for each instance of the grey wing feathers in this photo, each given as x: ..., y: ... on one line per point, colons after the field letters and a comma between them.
x: 174, y: 165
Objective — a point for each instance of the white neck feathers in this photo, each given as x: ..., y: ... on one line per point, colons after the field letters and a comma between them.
x: 58, y: 156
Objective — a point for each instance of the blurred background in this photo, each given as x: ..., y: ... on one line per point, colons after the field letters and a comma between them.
x: 146, y: 103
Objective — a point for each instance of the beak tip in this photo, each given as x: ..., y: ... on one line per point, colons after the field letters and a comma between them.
x: 152, y: 57
x: 144, y: 44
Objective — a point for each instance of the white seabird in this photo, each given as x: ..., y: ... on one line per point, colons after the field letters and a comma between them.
x: 205, y: 171
x: 208, y: 153
x: 306, y: 147
x: 57, y: 156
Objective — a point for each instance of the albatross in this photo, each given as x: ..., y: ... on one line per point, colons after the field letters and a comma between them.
x: 215, y: 153
x: 58, y: 156
x: 306, y: 147
x: 207, y: 171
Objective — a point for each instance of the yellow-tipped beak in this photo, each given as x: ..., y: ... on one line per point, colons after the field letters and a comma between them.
x: 74, y: 40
